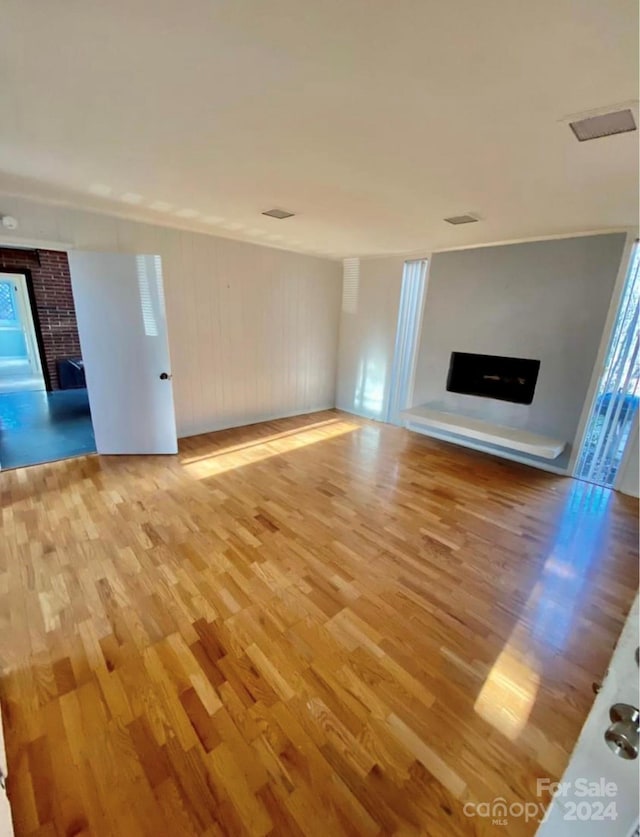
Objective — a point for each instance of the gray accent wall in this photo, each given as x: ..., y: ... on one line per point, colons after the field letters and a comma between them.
x: 546, y: 300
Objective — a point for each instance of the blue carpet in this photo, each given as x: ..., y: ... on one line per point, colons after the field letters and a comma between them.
x: 44, y: 426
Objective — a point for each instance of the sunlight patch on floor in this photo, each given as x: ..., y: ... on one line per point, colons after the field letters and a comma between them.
x: 509, y: 692
x: 254, y: 451
x: 259, y: 440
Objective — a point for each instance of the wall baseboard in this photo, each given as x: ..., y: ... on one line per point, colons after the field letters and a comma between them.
x: 254, y: 418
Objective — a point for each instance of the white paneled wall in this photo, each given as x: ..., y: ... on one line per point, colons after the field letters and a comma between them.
x: 257, y: 332
x: 368, y: 326
x: 253, y: 331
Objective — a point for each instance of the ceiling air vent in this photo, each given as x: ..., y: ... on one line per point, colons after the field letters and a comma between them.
x: 278, y: 213
x: 604, y: 125
x: 461, y: 219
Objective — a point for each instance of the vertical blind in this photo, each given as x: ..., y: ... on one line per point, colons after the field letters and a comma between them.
x: 409, y: 310
x: 612, y: 413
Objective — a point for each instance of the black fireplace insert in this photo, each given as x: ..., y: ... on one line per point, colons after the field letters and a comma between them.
x: 491, y: 376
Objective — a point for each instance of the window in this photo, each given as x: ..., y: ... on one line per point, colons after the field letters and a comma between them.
x: 8, y: 305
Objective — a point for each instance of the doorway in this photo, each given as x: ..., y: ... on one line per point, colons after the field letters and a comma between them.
x: 44, y: 406
x: 614, y: 410
x: 20, y: 367
x: 105, y: 310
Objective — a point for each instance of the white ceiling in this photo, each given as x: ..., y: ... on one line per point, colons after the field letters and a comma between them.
x: 371, y: 119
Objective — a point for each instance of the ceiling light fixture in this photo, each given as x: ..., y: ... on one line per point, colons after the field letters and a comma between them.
x: 603, y: 125
x: 461, y: 219
x: 279, y: 213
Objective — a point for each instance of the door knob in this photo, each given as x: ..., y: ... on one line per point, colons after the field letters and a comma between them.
x: 164, y: 376
x: 624, y: 733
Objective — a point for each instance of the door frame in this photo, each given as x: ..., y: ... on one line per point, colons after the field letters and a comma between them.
x: 30, y: 320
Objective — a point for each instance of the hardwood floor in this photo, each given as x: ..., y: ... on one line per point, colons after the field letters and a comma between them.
x: 314, y: 626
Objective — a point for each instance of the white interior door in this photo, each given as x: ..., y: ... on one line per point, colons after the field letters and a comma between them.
x: 119, y: 303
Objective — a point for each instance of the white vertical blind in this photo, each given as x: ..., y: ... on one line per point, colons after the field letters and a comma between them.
x: 612, y: 413
x: 409, y: 310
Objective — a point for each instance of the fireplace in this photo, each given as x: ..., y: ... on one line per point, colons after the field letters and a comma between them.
x: 491, y: 376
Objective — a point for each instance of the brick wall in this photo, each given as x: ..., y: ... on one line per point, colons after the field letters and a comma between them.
x: 51, y: 283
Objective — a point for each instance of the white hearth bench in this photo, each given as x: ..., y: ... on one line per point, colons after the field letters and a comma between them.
x: 440, y: 424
